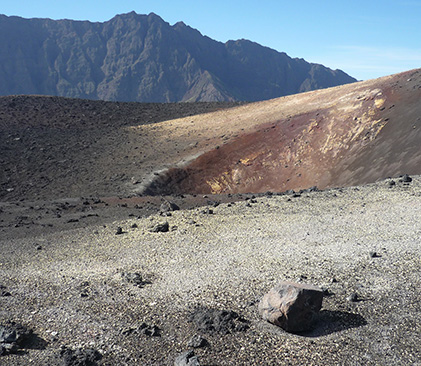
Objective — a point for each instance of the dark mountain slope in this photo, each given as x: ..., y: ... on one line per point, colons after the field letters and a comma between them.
x: 142, y: 58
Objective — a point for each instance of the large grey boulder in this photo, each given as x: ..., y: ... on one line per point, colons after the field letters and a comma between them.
x: 291, y: 306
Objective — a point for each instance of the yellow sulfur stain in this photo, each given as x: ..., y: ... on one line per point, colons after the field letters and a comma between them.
x: 379, y: 102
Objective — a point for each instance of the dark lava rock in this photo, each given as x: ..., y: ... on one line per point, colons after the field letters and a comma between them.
x: 149, y: 330
x: 119, y: 231
x: 353, y: 297
x: 197, y: 341
x: 221, y: 321
x: 406, y: 179
x: 291, y: 306
x: 161, y: 228
x: 168, y: 206
x: 374, y: 255
x: 207, y: 211
x: 187, y: 358
x: 392, y: 183
x: 13, y: 337
x: 4, y: 292
x: 134, y: 278
x: 213, y: 203
x: 80, y: 357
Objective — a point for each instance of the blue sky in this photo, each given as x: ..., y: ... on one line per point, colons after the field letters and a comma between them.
x: 366, y: 39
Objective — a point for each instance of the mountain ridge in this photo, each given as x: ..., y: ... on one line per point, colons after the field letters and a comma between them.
x: 134, y: 57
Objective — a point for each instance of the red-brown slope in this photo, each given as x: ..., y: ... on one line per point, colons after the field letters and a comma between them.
x: 348, y: 135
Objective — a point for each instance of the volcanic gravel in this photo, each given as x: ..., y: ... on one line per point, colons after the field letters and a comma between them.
x: 80, y: 292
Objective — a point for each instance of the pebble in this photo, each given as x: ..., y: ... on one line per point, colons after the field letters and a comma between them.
x: 353, y: 297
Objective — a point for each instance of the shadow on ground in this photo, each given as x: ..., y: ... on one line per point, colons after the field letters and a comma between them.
x: 328, y: 322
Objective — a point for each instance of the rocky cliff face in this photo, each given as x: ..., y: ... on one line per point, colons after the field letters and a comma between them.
x: 142, y: 58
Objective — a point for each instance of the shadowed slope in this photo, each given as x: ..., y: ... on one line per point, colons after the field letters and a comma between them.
x: 348, y: 135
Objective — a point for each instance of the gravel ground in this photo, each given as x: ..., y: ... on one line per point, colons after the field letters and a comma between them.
x: 77, y: 288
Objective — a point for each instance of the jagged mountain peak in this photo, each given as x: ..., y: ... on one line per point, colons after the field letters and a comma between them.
x: 135, y: 57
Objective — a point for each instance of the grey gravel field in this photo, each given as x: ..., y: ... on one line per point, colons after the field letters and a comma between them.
x: 131, y: 296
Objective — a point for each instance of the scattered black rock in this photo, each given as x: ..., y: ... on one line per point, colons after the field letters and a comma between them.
x: 119, y: 231
x: 72, y: 220
x: 168, y: 206
x: 197, y: 341
x: 207, y: 211
x: 187, y: 358
x: 149, y: 330
x: 4, y: 292
x: 134, y: 226
x: 406, y: 179
x: 327, y: 292
x: 14, y: 337
x: 160, y: 228
x: 353, y: 297
x: 392, y: 183
x: 213, y: 203
x: 135, y: 278
x: 374, y: 254
x: 79, y: 357
x: 221, y: 321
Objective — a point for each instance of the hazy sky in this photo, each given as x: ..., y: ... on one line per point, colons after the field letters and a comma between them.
x: 365, y: 38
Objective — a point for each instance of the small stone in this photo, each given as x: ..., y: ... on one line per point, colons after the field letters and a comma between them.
x: 207, y: 211
x: 168, y: 206
x: 149, y: 330
x: 4, y: 292
x: 134, y: 226
x: 160, y: 228
x: 134, y: 278
x: 187, y: 358
x: 327, y: 292
x: 221, y: 321
x: 80, y: 357
x: 392, y: 183
x: 406, y: 179
x: 291, y: 306
x: 374, y: 255
x: 197, y: 341
x: 119, y: 231
x: 13, y: 337
x: 353, y: 297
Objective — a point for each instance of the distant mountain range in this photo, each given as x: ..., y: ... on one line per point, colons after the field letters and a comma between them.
x: 143, y: 58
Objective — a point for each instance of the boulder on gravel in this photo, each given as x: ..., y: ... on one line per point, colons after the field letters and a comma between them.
x: 291, y: 306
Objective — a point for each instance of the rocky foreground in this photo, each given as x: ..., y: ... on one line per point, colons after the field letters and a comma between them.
x: 80, y: 289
